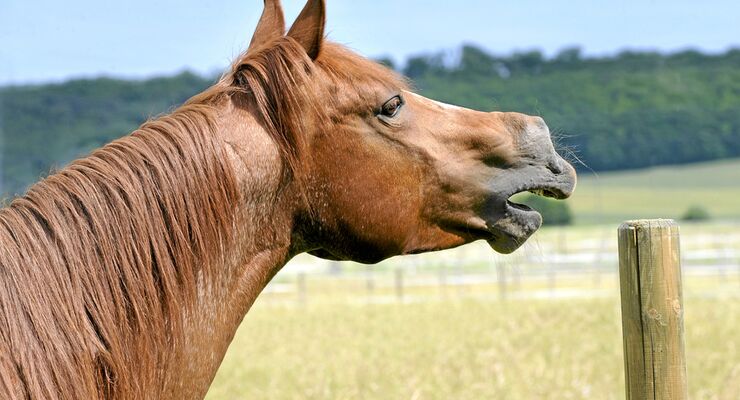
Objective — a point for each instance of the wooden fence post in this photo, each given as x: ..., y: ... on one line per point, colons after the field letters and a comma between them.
x: 443, y: 279
x: 301, y: 283
x: 459, y: 278
x: 399, y: 284
x: 369, y: 282
x: 501, y: 280
x: 552, y: 278
x: 652, y: 310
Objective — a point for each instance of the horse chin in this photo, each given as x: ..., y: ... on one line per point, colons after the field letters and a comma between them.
x: 514, y: 228
x: 363, y: 257
x: 321, y: 253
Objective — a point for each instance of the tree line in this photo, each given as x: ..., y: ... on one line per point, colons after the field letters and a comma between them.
x: 629, y: 110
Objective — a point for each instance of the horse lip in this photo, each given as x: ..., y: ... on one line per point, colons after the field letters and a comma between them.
x: 514, y: 228
x: 514, y: 223
x: 557, y: 186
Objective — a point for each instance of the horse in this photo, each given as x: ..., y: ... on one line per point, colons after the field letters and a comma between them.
x: 126, y: 274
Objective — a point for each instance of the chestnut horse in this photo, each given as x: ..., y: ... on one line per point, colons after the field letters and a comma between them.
x: 126, y: 275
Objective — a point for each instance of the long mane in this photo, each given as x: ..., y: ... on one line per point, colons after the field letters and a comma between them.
x: 94, y: 259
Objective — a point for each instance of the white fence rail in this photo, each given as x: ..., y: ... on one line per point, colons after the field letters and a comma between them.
x: 566, y: 263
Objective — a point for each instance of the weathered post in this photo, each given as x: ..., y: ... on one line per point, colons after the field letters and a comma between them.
x: 459, y: 278
x: 399, y: 284
x: 501, y: 280
x: 652, y: 310
x: 369, y: 282
x: 443, y: 279
x: 301, y: 282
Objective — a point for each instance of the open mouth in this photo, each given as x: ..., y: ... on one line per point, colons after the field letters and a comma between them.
x: 549, y: 192
x: 514, y: 222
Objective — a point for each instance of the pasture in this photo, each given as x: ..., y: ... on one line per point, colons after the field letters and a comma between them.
x: 662, y: 192
x: 543, y: 323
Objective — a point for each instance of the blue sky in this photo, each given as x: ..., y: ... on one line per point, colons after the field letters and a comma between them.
x: 52, y: 40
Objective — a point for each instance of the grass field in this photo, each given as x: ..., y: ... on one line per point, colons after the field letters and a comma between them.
x: 468, y: 347
x: 345, y: 341
x: 665, y: 192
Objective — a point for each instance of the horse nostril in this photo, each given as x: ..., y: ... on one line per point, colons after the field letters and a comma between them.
x: 555, y: 166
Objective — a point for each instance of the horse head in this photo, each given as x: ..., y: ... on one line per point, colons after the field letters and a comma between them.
x: 382, y: 171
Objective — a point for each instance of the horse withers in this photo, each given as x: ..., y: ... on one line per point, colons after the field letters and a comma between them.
x: 126, y: 274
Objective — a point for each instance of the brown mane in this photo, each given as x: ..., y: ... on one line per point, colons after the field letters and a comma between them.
x: 95, y: 259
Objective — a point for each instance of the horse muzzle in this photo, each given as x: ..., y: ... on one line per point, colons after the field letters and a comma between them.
x: 511, y: 224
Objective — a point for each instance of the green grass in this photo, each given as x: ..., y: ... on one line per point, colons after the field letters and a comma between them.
x: 664, y: 192
x: 466, y: 342
x: 465, y: 348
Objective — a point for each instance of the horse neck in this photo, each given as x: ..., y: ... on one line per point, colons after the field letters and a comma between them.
x: 155, y: 326
x: 262, y: 245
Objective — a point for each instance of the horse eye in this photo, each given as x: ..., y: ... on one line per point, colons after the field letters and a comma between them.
x: 391, y: 107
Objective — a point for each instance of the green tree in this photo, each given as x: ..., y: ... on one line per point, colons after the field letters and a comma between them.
x: 696, y: 213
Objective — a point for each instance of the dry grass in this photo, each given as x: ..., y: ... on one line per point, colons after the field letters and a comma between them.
x: 469, y: 346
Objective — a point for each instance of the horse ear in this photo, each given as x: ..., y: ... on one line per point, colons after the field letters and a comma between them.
x: 308, y: 28
x: 271, y: 25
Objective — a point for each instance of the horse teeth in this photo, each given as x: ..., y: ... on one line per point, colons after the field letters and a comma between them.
x: 538, y: 192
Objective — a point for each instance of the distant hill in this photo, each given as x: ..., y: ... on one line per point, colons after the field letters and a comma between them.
x: 50, y: 125
x: 628, y: 111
